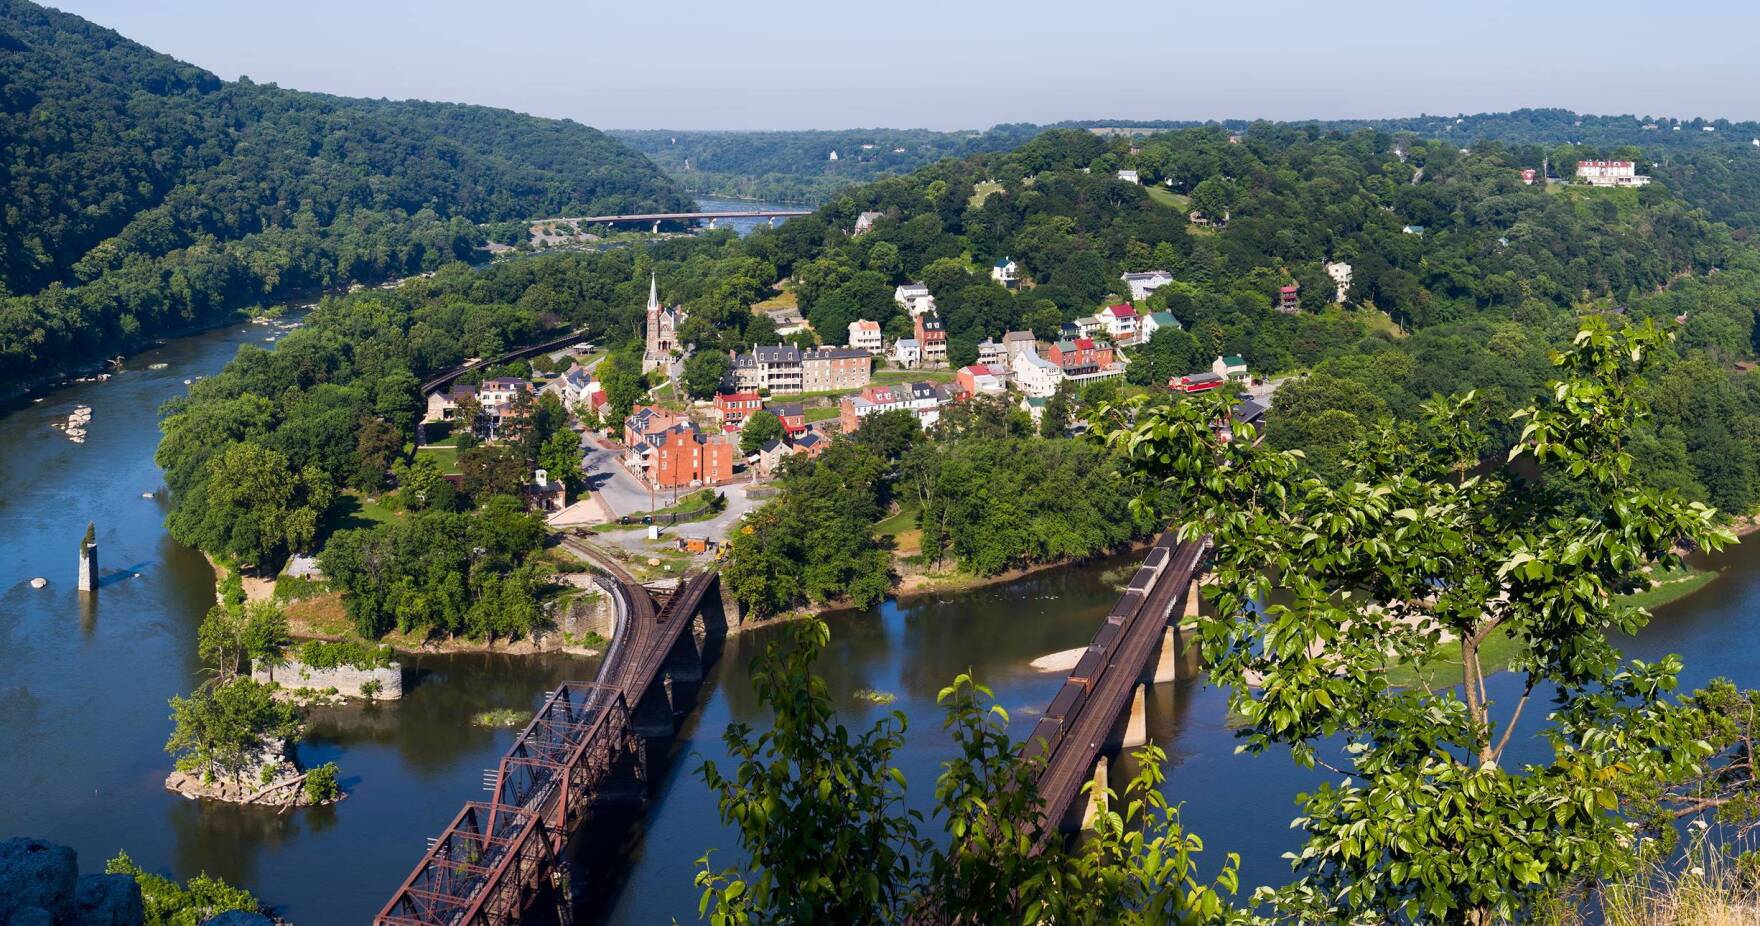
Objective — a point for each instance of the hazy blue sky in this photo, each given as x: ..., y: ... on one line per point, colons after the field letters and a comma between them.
x: 965, y: 64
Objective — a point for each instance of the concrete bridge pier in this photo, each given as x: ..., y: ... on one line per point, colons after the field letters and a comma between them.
x: 1132, y: 728
x: 1163, y: 664
x: 683, y: 662
x: 1090, y: 808
x: 656, y: 227
x: 652, y: 717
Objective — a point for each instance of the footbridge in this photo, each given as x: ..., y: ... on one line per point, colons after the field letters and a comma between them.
x: 1100, y: 708
x: 584, y: 753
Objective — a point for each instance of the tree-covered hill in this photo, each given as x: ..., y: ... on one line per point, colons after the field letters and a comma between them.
x: 141, y: 193
x: 797, y: 166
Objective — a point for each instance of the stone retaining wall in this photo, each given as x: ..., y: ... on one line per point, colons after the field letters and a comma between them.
x: 347, y: 680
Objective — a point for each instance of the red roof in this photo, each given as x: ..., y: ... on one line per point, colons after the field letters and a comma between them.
x: 1084, y: 343
x: 1287, y: 289
x: 1122, y: 310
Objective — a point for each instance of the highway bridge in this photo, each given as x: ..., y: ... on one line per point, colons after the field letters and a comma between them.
x: 655, y: 218
x: 583, y: 753
x: 1100, y: 707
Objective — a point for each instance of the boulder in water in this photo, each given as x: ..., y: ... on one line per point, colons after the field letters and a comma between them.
x: 39, y: 582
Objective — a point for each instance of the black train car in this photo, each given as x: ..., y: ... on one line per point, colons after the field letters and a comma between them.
x: 1088, y: 668
x: 1127, y: 605
x: 1067, y: 702
x: 1106, y: 636
x: 1043, y: 741
x: 1157, y: 559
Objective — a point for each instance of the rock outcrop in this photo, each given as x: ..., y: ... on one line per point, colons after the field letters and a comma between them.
x: 40, y: 883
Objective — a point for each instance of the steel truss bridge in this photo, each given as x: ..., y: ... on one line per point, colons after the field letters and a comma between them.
x: 583, y: 753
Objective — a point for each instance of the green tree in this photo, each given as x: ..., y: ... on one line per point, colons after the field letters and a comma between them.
x: 704, y: 371
x: 1420, y: 559
x: 221, y: 730
x: 251, y: 506
x: 1054, y: 418
x: 560, y: 457
x: 378, y: 446
x: 827, y: 839
x: 760, y: 428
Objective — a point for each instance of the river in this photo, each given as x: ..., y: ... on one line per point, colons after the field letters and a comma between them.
x: 84, y: 684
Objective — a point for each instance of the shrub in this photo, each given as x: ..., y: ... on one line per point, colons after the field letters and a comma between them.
x: 321, y: 785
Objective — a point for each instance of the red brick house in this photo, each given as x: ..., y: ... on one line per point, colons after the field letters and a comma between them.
x: 733, y: 407
x: 685, y: 457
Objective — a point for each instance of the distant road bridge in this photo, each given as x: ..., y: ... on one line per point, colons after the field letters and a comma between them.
x: 504, y: 859
x: 655, y: 218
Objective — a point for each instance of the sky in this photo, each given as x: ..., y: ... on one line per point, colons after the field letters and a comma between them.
x: 957, y: 64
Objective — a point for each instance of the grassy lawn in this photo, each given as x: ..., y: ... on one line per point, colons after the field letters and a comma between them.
x: 1499, y: 649
x: 890, y: 377
x: 352, y: 510
x: 1169, y: 198
x: 822, y: 412
x: 783, y: 300
x: 446, y: 455
x: 901, y: 526
x: 982, y: 191
x: 1670, y: 586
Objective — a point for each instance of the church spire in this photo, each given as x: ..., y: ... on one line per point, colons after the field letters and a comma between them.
x: 653, y: 293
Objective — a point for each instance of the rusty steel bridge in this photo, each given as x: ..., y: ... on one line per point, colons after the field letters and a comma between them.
x: 584, y: 751
x: 582, y: 754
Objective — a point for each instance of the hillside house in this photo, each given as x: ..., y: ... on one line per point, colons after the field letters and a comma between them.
x: 865, y: 335
x: 1193, y: 383
x: 979, y: 379
x: 914, y: 298
x: 923, y: 399
x: 1233, y: 367
x: 907, y: 353
x: 1015, y: 343
x: 685, y: 457
x: 733, y: 407
x: 1146, y: 282
x: 1120, y: 322
x: 1610, y: 173
x: 1155, y: 321
x: 1036, y: 376
x: 785, y: 369
x: 865, y: 221
x: 990, y: 352
x: 793, y: 416
x: 1006, y: 272
x: 1083, y: 359
x: 1289, y: 299
x: 932, y: 337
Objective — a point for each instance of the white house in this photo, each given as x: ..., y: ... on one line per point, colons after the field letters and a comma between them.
x: 1142, y: 284
x: 907, y: 353
x: 914, y: 298
x: 1610, y: 173
x: 1006, y: 272
x: 866, y: 220
x: 991, y: 352
x: 1129, y: 176
x: 1120, y: 321
x: 1155, y: 321
x: 1231, y: 367
x: 1090, y: 325
x: 865, y: 335
x: 1036, y: 376
x: 1340, y: 272
x: 573, y: 387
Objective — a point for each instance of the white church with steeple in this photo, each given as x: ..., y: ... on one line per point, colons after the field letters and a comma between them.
x: 662, y: 334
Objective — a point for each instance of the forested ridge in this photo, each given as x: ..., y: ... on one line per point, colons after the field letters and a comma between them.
x: 143, y: 193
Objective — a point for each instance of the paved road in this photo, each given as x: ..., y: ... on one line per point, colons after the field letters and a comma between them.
x: 718, y: 528
x: 621, y: 491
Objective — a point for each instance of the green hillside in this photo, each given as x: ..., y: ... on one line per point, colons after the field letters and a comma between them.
x: 142, y: 193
